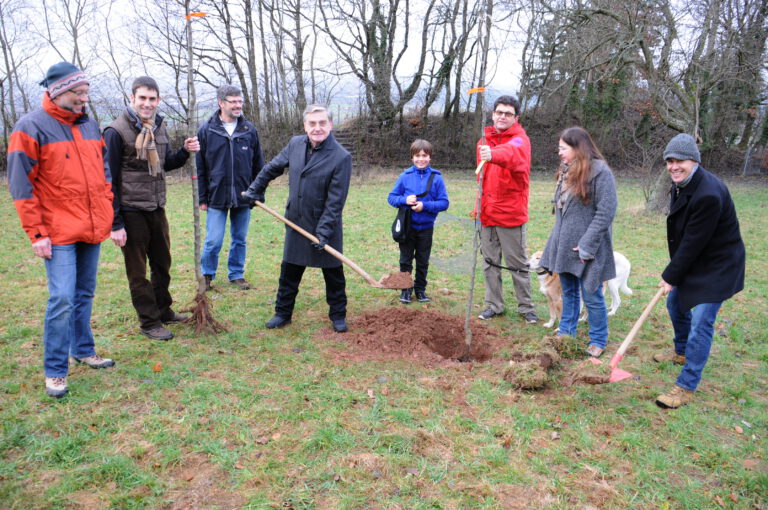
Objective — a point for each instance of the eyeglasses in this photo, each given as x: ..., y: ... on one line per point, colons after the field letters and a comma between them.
x: 508, y: 115
x: 79, y: 93
x: 233, y: 101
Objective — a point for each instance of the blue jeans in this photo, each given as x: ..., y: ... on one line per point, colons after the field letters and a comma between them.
x: 597, y: 315
x: 693, y: 337
x: 215, y: 222
x: 71, y: 284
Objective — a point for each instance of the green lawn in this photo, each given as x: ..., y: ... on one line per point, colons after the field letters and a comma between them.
x: 258, y: 419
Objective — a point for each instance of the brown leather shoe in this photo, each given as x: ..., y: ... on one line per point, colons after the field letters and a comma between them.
x: 175, y: 317
x: 240, y: 282
x: 208, y: 279
x: 670, y: 356
x: 158, y: 333
x: 674, y: 398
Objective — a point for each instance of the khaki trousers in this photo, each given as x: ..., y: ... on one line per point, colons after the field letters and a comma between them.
x: 511, y: 243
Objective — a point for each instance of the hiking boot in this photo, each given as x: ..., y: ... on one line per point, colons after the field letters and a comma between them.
x: 422, y: 297
x: 278, y: 322
x: 594, y: 351
x: 56, y: 387
x: 96, y: 361
x: 487, y: 314
x: 405, y: 296
x: 175, y: 317
x: 675, y: 398
x: 339, y: 325
x: 530, y: 317
x: 670, y: 356
x: 240, y: 282
x: 158, y: 333
x: 208, y: 279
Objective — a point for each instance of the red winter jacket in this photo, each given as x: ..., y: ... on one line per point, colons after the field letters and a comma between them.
x: 57, y: 177
x: 506, y: 177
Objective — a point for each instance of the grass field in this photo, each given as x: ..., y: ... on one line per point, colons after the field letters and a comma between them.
x: 258, y: 419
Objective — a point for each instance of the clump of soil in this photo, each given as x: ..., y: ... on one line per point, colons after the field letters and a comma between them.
x: 590, y: 373
x: 544, y: 353
x: 526, y: 375
x: 397, y: 281
x: 415, y: 334
x: 567, y: 346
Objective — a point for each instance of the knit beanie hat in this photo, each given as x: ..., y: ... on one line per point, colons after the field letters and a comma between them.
x: 62, y: 77
x: 682, y: 147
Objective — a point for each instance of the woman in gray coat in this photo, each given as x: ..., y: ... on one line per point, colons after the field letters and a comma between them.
x: 580, y: 247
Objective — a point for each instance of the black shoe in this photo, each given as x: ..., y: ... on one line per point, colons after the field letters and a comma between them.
x: 278, y: 322
x: 530, y: 317
x: 339, y: 325
x: 158, y: 333
x: 405, y: 296
x: 422, y: 297
x: 487, y: 314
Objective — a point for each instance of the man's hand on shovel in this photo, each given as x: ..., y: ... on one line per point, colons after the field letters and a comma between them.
x: 253, y: 196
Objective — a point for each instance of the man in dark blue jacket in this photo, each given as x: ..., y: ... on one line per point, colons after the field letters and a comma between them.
x: 230, y: 157
x: 706, y: 267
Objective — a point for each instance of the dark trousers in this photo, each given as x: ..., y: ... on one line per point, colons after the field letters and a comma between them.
x: 418, y: 243
x: 148, y: 238
x: 288, y: 289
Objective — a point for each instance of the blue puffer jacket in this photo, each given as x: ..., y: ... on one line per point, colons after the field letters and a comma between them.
x: 227, y: 165
x: 413, y: 182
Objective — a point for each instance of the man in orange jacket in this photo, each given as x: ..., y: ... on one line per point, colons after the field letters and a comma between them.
x: 506, y: 150
x: 62, y: 191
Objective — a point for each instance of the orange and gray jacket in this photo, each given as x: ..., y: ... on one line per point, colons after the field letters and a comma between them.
x: 58, y: 177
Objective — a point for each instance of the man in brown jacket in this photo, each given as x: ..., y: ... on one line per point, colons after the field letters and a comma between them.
x: 139, y: 154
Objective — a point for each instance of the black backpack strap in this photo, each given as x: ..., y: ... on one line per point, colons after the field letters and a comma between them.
x: 429, y: 185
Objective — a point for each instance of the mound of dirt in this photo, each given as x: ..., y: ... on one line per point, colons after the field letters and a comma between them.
x: 397, y: 281
x: 416, y: 335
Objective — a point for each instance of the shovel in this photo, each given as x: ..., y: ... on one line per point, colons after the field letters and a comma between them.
x: 618, y: 374
x: 388, y: 281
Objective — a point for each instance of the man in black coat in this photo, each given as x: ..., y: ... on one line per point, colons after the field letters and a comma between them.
x: 229, y: 159
x: 707, y: 263
x: 319, y: 170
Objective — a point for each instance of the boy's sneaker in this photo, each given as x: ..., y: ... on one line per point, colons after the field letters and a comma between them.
x: 674, y: 398
x: 405, y: 296
x: 422, y: 297
x: 670, y: 356
x: 530, y: 317
x: 56, y: 387
x: 96, y: 361
x: 487, y: 314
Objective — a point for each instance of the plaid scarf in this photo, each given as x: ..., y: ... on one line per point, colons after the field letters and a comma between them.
x: 145, y: 146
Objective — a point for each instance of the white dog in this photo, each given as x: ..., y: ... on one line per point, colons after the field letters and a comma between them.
x: 549, y: 285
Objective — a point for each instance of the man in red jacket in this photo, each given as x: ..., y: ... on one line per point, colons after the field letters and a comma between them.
x: 63, y: 194
x: 506, y: 150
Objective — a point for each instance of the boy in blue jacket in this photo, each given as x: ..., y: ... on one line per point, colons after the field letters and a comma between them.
x: 411, y: 191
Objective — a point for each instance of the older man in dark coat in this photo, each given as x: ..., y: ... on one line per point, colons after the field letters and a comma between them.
x: 319, y: 170
x: 706, y: 267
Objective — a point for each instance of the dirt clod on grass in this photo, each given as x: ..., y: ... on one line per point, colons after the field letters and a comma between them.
x: 397, y: 281
x: 526, y: 375
x: 589, y: 373
x: 566, y: 346
x: 417, y: 335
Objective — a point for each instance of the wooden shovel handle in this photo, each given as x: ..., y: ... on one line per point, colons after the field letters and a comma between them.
x: 638, y: 324
x: 335, y: 253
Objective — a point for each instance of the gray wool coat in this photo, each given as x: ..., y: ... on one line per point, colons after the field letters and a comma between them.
x: 588, y: 226
x: 317, y: 192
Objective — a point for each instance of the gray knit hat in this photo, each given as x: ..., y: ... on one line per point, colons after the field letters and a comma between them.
x: 62, y: 77
x: 682, y: 147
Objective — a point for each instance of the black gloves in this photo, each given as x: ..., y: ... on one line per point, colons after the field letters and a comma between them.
x: 320, y: 245
x: 253, y: 196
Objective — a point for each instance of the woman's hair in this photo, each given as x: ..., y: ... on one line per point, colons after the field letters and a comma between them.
x: 586, y: 150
